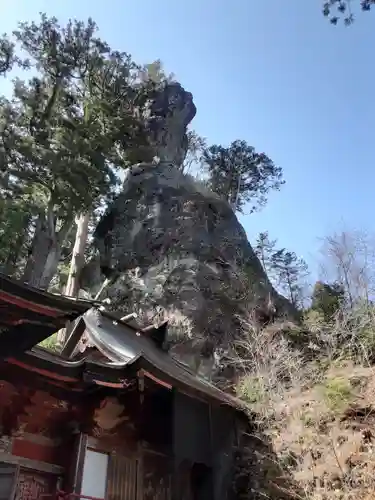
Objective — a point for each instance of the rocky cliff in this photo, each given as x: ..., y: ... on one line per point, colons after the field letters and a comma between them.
x: 170, y: 249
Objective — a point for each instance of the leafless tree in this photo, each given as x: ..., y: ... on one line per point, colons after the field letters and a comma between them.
x: 349, y: 259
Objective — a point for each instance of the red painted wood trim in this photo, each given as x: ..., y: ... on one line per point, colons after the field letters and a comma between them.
x: 157, y: 380
x: 115, y: 385
x: 31, y: 306
x: 46, y: 373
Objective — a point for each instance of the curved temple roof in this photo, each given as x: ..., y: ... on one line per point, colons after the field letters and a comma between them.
x: 124, y: 346
x: 28, y: 316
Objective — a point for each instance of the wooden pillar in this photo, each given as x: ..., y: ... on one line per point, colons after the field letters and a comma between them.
x: 76, y: 473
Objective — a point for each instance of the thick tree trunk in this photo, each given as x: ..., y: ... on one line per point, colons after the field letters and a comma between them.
x: 46, y: 250
x: 76, y: 266
x: 39, y: 252
x: 54, y: 252
x: 51, y: 265
x: 78, y: 259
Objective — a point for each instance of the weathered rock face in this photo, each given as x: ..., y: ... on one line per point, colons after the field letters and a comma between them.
x: 166, y: 117
x: 172, y: 249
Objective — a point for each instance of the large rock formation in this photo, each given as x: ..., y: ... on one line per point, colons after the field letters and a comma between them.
x: 172, y: 249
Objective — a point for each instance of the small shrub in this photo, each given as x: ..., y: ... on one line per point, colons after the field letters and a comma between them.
x: 314, y: 321
x: 338, y: 393
x: 307, y: 420
x: 251, y: 390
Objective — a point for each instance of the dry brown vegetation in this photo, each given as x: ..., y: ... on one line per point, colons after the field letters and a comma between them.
x: 311, y: 391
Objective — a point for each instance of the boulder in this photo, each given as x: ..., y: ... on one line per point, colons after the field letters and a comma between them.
x: 171, y: 249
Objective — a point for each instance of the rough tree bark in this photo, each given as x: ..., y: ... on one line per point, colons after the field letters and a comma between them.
x: 45, y: 250
x: 38, y: 253
x: 54, y: 255
x: 76, y: 266
x: 78, y: 259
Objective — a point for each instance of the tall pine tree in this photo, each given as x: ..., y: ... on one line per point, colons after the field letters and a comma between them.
x: 290, y: 271
x: 64, y: 130
x: 265, y: 248
x: 241, y: 175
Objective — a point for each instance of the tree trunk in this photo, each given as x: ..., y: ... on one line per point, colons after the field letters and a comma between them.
x: 51, y: 265
x: 46, y: 250
x: 39, y: 252
x: 54, y: 252
x: 348, y: 287
x: 289, y: 283
x: 78, y: 259
x: 76, y: 266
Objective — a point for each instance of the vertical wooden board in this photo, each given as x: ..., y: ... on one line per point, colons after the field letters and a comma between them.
x: 76, y: 470
x: 157, y: 477
x: 122, y: 478
x: 182, y: 481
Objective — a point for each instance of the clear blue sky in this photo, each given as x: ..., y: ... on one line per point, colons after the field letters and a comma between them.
x: 274, y: 73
